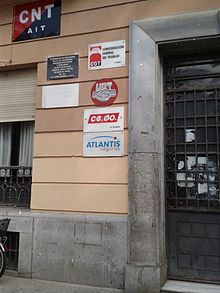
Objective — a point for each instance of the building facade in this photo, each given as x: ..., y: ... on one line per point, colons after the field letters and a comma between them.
x: 124, y: 218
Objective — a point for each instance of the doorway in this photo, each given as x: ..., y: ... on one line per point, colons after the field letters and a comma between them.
x: 151, y: 42
x: 192, y: 158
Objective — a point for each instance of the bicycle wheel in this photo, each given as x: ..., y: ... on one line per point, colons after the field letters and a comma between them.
x: 2, y: 262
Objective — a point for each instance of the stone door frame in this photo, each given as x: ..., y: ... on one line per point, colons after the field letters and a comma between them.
x: 146, y: 269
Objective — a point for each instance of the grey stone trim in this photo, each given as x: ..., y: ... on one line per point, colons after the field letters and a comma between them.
x: 72, y: 248
x: 146, y: 267
x: 182, y: 26
x: 142, y: 92
x: 143, y: 279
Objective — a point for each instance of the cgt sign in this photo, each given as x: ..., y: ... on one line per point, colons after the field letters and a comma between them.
x: 36, y: 20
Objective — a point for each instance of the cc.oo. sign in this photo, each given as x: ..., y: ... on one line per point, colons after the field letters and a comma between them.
x: 103, y: 118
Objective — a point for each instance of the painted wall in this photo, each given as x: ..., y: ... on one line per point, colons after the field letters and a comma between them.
x: 62, y: 179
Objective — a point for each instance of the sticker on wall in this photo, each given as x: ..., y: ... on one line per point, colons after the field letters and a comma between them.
x: 103, y: 119
x: 36, y: 20
x: 104, y: 92
x: 59, y: 96
x: 62, y: 67
x: 106, y: 55
x: 105, y: 144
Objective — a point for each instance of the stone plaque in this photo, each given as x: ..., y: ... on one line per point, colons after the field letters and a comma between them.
x: 62, y: 67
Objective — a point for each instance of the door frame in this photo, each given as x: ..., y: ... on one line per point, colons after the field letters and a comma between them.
x: 146, y: 268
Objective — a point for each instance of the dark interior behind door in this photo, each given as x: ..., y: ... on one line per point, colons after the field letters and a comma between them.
x: 192, y: 136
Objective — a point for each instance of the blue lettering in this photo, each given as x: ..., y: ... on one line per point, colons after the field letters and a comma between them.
x: 106, y: 144
x: 93, y: 144
x: 117, y: 144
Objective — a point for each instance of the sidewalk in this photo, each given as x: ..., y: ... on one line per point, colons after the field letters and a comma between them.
x: 20, y: 285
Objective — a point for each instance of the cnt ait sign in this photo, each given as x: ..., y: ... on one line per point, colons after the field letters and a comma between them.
x: 36, y: 20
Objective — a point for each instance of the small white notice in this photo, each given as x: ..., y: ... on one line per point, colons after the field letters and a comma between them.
x: 181, y: 165
x: 103, y: 144
x: 106, y: 55
x: 103, y: 119
x: 59, y: 96
x: 202, y: 160
x: 191, y: 162
x: 202, y: 188
x: 190, y: 135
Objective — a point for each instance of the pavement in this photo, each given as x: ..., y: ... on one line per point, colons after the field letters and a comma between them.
x: 10, y: 284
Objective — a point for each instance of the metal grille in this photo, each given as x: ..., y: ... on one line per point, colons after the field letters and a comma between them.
x: 15, y: 186
x: 12, y: 250
x: 192, y: 133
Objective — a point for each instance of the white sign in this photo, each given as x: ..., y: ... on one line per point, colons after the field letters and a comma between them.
x: 65, y: 95
x: 103, y: 119
x: 106, y: 55
x: 105, y: 144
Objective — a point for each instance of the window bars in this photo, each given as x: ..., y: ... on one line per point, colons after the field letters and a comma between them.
x: 15, y: 186
x: 192, y: 134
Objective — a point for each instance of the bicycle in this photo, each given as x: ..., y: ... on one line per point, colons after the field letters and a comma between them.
x: 3, y: 238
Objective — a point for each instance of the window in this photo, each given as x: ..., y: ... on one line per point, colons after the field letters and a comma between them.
x: 12, y: 250
x: 16, y: 152
x: 17, y: 112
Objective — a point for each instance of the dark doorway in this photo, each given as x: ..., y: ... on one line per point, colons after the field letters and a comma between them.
x: 192, y: 137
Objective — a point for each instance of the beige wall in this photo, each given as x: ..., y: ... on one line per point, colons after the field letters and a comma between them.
x: 62, y: 179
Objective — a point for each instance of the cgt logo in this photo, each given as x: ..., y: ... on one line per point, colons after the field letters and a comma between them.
x: 36, y: 20
x: 103, y: 118
x: 95, y: 58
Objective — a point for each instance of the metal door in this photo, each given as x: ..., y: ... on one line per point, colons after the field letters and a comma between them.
x: 192, y: 136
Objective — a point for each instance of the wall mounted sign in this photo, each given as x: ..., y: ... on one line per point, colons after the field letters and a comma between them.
x: 36, y: 20
x: 103, y: 119
x: 104, y: 144
x: 62, y: 67
x: 59, y: 96
x: 104, y: 92
x: 106, y: 55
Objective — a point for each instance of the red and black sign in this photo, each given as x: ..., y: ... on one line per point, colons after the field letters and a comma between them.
x: 104, y: 92
x: 95, y: 56
x: 37, y: 19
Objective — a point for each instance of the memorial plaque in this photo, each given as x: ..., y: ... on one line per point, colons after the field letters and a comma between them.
x: 62, y: 67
